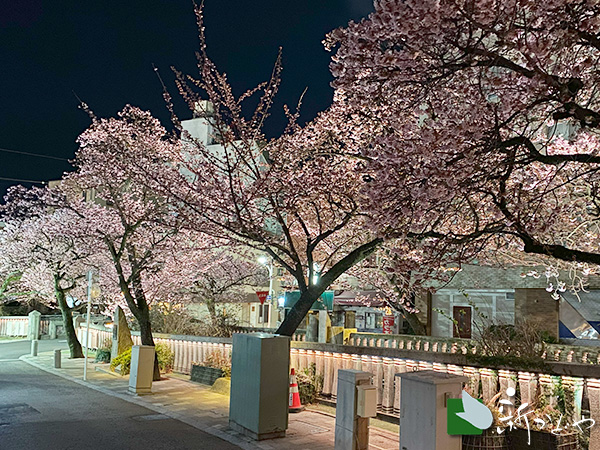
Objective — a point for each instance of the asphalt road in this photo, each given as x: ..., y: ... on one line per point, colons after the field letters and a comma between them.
x: 39, y: 411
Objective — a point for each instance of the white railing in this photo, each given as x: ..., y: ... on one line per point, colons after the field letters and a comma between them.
x: 327, y: 362
x: 553, y: 352
x: 14, y: 325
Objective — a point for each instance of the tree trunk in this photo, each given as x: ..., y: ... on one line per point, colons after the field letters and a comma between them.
x: 310, y: 295
x: 299, y: 312
x: 415, y: 324
x: 212, y: 310
x: 67, y: 316
x: 147, y: 339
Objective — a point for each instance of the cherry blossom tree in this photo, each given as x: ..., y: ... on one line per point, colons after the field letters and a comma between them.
x: 51, y: 251
x: 135, y: 225
x: 223, y: 275
x: 485, y: 118
x: 291, y: 197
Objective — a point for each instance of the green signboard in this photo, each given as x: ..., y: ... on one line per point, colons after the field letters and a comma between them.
x: 325, y: 301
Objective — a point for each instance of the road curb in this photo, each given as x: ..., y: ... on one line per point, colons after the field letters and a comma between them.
x: 212, y: 430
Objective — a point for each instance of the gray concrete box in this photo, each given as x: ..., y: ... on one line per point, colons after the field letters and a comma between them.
x: 259, y: 398
x: 351, y: 431
x: 423, y: 412
x: 142, y: 369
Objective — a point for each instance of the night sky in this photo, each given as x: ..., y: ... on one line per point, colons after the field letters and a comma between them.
x: 104, y: 51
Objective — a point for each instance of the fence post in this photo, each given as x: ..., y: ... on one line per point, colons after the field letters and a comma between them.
x: 33, y: 329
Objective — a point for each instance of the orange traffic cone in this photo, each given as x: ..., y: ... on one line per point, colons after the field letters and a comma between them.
x: 295, y: 405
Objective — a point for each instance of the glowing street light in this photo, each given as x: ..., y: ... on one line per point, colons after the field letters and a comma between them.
x: 268, y: 263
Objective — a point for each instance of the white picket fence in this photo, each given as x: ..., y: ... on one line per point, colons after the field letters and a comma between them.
x: 328, y: 359
x: 13, y: 326
x: 188, y: 350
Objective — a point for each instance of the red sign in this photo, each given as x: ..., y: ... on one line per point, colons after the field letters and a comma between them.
x: 262, y: 296
x: 388, y: 324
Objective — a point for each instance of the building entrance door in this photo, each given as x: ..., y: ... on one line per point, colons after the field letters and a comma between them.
x: 462, y: 322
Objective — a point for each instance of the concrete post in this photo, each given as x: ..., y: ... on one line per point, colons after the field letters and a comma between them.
x: 34, y: 347
x: 52, y: 329
x: 78, y: 321
x: 474, y: 377
x: 351, y: 431
x: 489, y: 384
x: 320, y: 363
x: 33, y: 328
x: 423, y: 413
x: 294, y: 358
x: 336, y: 363
x: 548, y: 384
x: 575, y: 384
x: 327, y: 373
x: 377, y: 368
x: 57, y: 361
x: 259, y: 398
x: 388, y: 386
x: 528, y: 386
x: 301, y: 359
x: 312, y: 330
x: 323, y: 324
x: 399, y: 367
x: 142, y: 369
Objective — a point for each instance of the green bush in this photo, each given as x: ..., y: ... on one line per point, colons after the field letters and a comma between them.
x: 103, y: 352
x: 165, y: 355
x: 123, y: 360
x: 309, y: 384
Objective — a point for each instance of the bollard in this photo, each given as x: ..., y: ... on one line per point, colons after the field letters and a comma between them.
x: 57, y: 359
x: 34, y: 347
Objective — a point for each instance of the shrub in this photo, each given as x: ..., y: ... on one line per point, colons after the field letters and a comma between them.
x: 166, y: 357
x: 163, y: 352
x: 123, y: 360
x: 309, y: 384
x: 103, y: 352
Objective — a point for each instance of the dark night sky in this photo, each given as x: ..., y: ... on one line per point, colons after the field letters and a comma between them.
x: 104, y: 52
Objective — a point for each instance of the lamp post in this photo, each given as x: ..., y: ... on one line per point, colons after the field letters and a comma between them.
x: 91, y: 293
x: 268, y: 263
x: 87, y: 332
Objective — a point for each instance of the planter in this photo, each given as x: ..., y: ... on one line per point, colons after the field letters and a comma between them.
x: 205, y: 375
x: 541, y: 440
x: 487, y: 441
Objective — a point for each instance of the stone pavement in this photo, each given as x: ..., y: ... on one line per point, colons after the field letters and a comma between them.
x: 200, y: 407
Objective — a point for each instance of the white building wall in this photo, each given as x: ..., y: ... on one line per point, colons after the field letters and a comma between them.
x: 488, y: 306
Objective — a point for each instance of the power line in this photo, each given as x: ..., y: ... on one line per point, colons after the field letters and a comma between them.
x: 33, y: 154
x: 22, y: 181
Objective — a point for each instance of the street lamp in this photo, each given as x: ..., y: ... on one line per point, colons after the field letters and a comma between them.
x: 268, y: 263
x: 92, y: 292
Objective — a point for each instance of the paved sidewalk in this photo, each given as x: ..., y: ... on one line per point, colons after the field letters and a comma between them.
x: 198, y: 406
